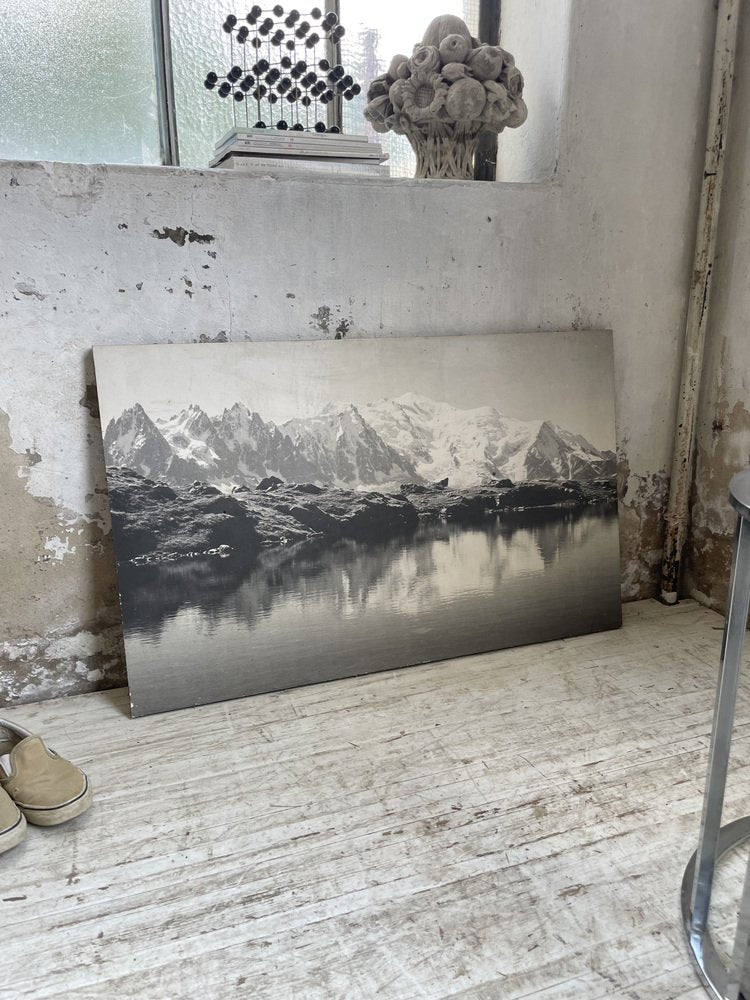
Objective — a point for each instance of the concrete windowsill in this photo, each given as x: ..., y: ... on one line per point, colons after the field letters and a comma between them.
x: 310, y: 177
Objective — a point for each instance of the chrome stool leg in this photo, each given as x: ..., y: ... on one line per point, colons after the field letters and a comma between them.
x: 715, y: 840
x: 740, y: 964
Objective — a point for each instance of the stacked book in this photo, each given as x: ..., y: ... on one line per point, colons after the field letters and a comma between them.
x: 272, y: 149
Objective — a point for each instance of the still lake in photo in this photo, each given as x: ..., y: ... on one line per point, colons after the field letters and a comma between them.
x: 209, y: 629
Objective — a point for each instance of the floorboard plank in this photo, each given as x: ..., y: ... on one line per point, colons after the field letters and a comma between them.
x: 505, y: 826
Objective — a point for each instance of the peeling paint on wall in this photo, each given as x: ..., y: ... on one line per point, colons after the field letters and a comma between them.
x: 58, y: 548
x: 60, y: 663
x: 180, y: 236
x: 29, y: 288
x: 60, y: 630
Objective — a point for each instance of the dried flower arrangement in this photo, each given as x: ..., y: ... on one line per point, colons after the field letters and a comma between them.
x: 451, y: 88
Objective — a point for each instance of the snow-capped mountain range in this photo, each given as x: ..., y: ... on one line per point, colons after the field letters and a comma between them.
x: 376, y: 445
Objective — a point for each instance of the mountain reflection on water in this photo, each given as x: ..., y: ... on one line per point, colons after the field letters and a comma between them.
x: 205, y: 629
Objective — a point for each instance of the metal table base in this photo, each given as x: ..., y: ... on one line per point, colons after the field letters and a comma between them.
x: 723, y: 982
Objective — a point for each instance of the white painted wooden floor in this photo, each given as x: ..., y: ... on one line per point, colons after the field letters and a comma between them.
x: 502, y: 826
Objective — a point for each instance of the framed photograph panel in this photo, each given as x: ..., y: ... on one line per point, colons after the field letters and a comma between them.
x: 286, y: 513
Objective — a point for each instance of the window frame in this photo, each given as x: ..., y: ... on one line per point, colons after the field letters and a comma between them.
x: 166, y: 110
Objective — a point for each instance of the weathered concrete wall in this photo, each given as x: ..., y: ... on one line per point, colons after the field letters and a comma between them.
x: 126, y: 255
x: 540, y: 29
x: 724, y: 412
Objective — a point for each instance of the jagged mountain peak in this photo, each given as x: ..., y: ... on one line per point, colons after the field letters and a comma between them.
x: 240, y: 413
x: 548, y: 428
x: 347, y: 451
x: 134, y: 440
x: 134, y: 413
x: 377, y: 445
x: 244, y: 427
x: 239, y: 409
x: 333, y: 421
x: 133, y: 417
x: 192, y: 422
x: 199, y: 419
x: 469, y: 446
x: 182, y: 414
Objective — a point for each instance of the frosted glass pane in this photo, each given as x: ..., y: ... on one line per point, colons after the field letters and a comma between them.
x: 375, y: 31
x: 78, y: 81
x: 199, y: 46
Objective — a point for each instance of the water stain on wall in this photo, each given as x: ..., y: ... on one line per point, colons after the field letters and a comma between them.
x: 721, y: 453
x: 643, y: 501
x: 323, y: 319
x: 90, y: 400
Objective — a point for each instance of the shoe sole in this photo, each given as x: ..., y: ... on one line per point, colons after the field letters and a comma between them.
x: 13, y: 836
x: 53, y: 815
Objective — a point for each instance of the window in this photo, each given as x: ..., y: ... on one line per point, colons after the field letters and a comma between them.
x: 85, y: 81
x: 78, y: 81
x: 375, y: 31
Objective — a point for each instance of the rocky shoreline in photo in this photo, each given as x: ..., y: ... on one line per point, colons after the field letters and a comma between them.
x: 155, y: 522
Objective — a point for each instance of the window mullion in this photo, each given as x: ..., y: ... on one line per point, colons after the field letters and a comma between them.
x: 485, y: 163
x: 165, y: 100
x: 334, y: 111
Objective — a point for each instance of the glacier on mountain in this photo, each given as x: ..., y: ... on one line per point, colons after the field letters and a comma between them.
x: 372, y: 446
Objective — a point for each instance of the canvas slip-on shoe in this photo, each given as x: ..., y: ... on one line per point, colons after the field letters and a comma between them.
x: 12, y: 823
x: 47, y: 788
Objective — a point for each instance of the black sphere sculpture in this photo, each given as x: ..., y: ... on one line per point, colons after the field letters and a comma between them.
x: 259, y: 74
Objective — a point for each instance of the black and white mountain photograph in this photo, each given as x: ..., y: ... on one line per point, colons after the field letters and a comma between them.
x: 286, y: 513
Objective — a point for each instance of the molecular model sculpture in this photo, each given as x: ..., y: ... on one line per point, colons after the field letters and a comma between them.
x: 284, y: 72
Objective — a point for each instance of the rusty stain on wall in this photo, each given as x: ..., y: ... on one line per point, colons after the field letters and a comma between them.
x: 56, y: 637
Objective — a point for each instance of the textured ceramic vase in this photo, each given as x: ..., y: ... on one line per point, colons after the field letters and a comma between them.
x: 444, y: 151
